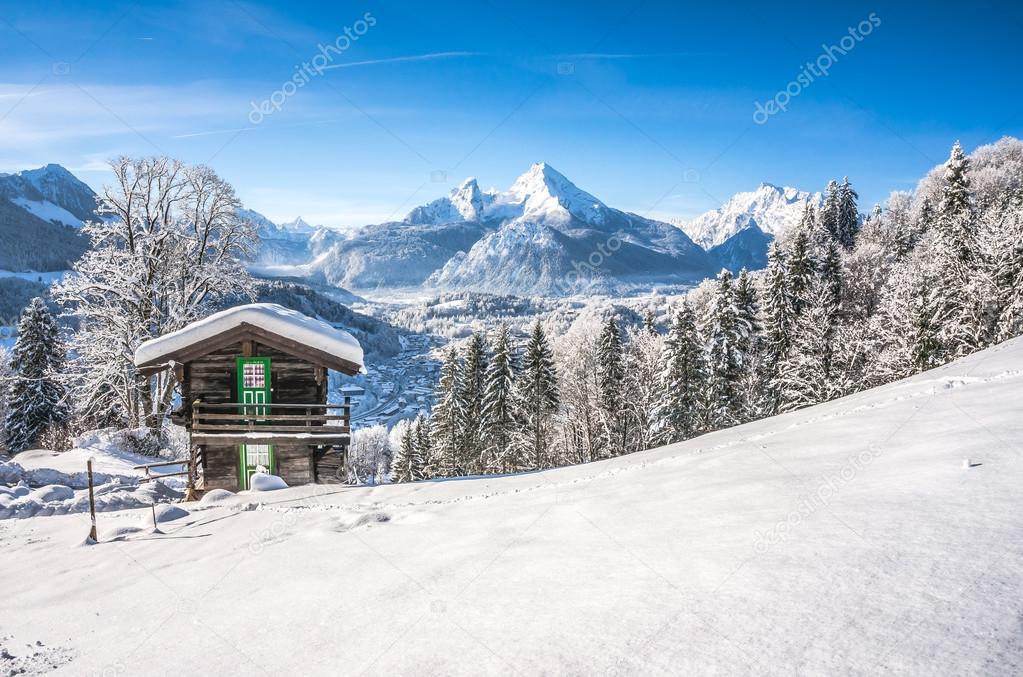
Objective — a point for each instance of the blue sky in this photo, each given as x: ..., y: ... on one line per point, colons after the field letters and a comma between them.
x: 647, y: 105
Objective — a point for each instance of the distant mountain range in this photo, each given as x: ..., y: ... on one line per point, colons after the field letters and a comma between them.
x: 41, y: 212
x: 738, y: 232
x: 542, y: 236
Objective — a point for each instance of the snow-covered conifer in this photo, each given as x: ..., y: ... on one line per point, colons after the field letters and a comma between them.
x: 778, y: 321
x: 683, y: 380
x: 799, y: 273
x: 497, y: 409
x: 805, y: 374
x: 611, y: 375
x: 472, y: 384
x: 724, y: 359
x: 537, y: 400
x: 847, y: 220
x: 408, y: 465
x: 641, y: 393
x: 36, y: 400
x: 446, y: 421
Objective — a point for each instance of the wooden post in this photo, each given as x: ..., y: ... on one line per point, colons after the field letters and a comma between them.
x: 92, y: 506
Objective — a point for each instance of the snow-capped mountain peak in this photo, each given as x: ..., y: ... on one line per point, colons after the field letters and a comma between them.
x: 773, y: 209
x: 299, y: 225
x: 465, y: 203
x: 51, y: 193
x: 546, y: 194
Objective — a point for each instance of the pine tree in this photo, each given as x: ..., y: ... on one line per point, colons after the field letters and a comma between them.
x: 611, y: 377
x: 778, y: 320
x: 847, y: 221
x: 724, y: 361
x: 683, y: 380
x: 36, y: 400
x: 448, y: 414
x: 498, y: 405
x: 472, y: 384
x: 536, y: 399
x: 408, y: 465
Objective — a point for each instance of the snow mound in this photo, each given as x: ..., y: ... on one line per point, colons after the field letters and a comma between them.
x: 216, y: 497
x: 263, y: 482
x: 269, y: 316
x: 164, y: 513
x: 52, y: 492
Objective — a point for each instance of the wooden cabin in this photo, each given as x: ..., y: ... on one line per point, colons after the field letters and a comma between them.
x: 253, y: 383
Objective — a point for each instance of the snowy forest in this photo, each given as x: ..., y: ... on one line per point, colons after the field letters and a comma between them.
x: 846, y: 303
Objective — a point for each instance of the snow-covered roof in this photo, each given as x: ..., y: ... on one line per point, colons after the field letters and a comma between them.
x: 268, y: 317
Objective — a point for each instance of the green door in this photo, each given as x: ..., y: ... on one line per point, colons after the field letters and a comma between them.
x: 254, y: 389
x: 255, y: 458
x: 254, y: 383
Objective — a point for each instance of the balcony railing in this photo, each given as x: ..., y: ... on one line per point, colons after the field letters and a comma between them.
x: 236, y: 418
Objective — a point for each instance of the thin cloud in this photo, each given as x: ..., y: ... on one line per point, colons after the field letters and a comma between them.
x: 400, y: 59
x: 251, y: 128
x: 660, y: 55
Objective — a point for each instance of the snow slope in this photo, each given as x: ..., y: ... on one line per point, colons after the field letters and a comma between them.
x: 847, y: 538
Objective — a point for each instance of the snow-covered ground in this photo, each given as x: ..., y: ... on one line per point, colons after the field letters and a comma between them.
x: 41, y: 482
x: 848, y: 538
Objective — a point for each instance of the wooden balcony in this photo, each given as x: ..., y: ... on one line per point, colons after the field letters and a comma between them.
x: 239, y: 423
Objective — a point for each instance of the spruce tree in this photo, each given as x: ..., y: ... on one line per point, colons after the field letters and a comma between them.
x: 799, y: 273
x: 830, y: 273
x: 611, y: 379
x: 830, y: 216
x: 748, y: 306
x: 683, y: 380
x: 408, y: 464
x: 36, y: 400
x: 724, y: 361
x: 925, y: 346
x: 472, y: 387
x: 954, y: 217
x: 446, y: 421
x: 778, y: 319
x: 650, y: 322
x: 424, y: 447
x: 536, y: 400
x: 847, y: 216
x: 498, y: 405
x: 750, y: 346
x: 805, y: 374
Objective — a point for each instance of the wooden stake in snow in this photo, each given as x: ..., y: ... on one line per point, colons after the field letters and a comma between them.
x: 966, y: 463
x: 92, y: 506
